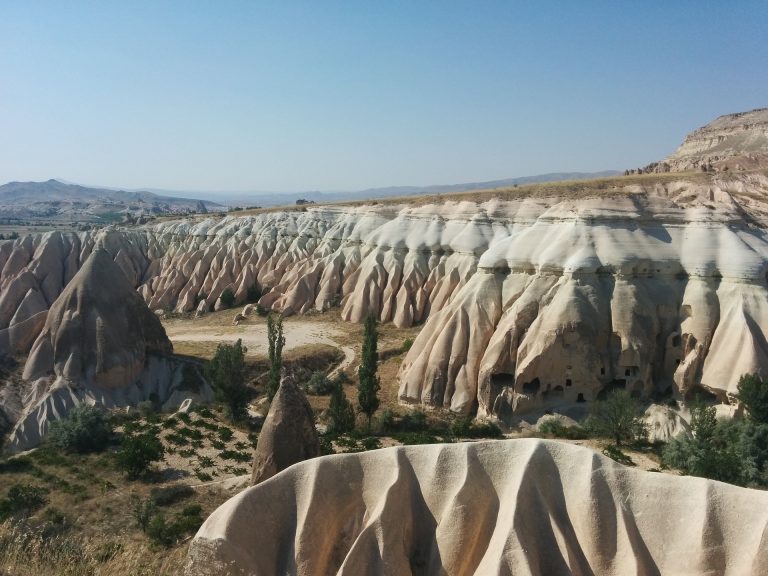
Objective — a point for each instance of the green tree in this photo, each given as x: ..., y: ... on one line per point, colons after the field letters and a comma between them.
x: 276, y: 343
x: 753, y: 393
x: 341, y: 414
x: 713, y: 450
x: 227, y: 298
x: 138, y: 452
x: 619, y: 417
x: 369, y: 382
x: 85, y: 429
x: 226, y: 371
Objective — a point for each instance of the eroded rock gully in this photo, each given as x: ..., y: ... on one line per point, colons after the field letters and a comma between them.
x: 528, y: 301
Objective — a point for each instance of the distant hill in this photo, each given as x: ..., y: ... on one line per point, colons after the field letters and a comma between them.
x: 55, y: 201
x: 282, y: 198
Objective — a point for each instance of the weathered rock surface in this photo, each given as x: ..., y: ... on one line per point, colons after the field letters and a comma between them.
x: 731, y: 142
x: 101, y: 345
x: 504, y: 507
x: 288, y: 435
x: 532, y: 300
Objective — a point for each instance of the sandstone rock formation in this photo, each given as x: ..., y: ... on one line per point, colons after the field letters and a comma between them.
x: 35, y: 269
x: 530, y: 298
x: 731, y: 142
x: 288, y: 435
x: 504, y: 507
x: 102, y: 345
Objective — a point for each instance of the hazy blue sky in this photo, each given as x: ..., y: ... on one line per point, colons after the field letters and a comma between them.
x: 346, y: 95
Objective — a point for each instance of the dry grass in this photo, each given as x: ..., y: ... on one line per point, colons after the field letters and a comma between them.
x: 87, y: 527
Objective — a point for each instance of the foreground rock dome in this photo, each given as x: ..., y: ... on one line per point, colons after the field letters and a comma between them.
x: 502, y: 507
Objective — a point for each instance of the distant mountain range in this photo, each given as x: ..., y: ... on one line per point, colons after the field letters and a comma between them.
x: 283, y: 198
x: 55, y: 201
x: 60, y: 201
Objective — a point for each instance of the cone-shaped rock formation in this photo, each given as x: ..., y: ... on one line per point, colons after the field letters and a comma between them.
x: 100, y: 344
x: 288, y: 435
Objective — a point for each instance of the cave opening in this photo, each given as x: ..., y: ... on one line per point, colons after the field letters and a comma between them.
x: 500, y: 381
x: 531, y: 388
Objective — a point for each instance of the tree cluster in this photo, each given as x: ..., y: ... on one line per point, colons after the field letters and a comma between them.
x: 734, y: 451
x: 226, y: 372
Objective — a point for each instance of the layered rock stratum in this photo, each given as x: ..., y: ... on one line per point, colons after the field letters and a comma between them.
x: 505, y: 507
x: 731, y: 142
x: 100, y: 344
x: 531, y: 298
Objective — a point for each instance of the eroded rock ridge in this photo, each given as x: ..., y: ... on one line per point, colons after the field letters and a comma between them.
x: 529, y: 300
x: 502, y: 507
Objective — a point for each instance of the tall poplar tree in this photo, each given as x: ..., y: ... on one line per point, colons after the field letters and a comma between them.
x: 369, y: 383
x: 276, y: 343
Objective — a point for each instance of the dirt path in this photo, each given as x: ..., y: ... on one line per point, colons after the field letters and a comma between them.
x: 349, y: 357
x: 254, y: 335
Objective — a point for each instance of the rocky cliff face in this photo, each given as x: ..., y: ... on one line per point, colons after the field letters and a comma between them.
x: 503, y: 507
x: 532, y: 299
x: 731, y: 142
x: 100, y: 344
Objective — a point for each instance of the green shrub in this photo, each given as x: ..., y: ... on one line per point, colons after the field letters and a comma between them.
x: 22, y: 500
x: 16, y: 465
x: 54, y: 516
x: 170, y: 423
x: 234, y: 455
x: 410, y: 438
x: 253, y: 293
x: 205, y: 461
x: 169, y: 495
x: 371, y: 443
x: 200, y: 423
x: 146, y: 408
x: 225, y: 433
x: 464, y: 427
x: 734, y: 451
x: 387, y: 420
x: 203, y: 476
x: 163, y: 532
x: 326, y: 446
x: 614, y: 453
x: 202, y: 412
x: 227, y: 298
x: 619, y: 417
x: 414, y: 421
x: 177, y: 439
x: 190, y: 433
x: 406, y: 346
x: 143, y: 511
x: 85, y: 429
x: 556, y: 429
x: 137, y: 453
x: 753, y: 392
x: 318, y: 385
